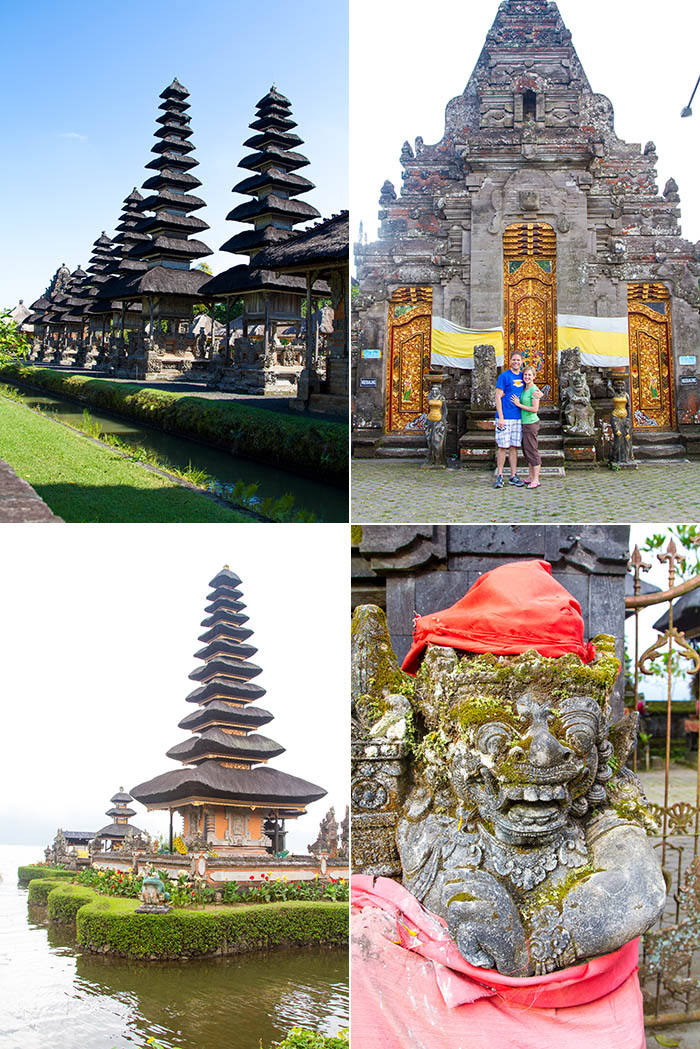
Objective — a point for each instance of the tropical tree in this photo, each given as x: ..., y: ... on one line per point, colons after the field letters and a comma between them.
x: 13, y: 344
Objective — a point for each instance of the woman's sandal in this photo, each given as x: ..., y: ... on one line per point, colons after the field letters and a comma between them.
x: 531, y: 486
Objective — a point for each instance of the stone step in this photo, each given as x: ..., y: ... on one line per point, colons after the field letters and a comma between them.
x: 659, y: 452
x: 395, y: 452
x: 658, y: 444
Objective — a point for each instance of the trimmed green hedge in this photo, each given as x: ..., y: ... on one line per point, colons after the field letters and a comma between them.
x: 111, y: 926
x: 311, y: 447
x: 39, y: 889
x: 25, y: 874
x: 64, y: 901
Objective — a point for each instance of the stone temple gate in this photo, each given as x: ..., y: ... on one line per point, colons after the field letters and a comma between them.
x: 529, y: 226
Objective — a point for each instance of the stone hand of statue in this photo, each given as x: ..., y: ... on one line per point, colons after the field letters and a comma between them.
x: 484, y: 922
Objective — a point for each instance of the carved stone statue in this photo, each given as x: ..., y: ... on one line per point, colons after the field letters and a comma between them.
x: 576, y: 404
x: 484, y: 377
x: 153, y: 895
x: 621, y: 452
x: 521, y: 826
x: 517, y: 825
x: 436, y: 427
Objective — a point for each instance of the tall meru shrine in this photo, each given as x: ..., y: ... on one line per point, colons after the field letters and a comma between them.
x: 530, y: 226
x: 145, y: 308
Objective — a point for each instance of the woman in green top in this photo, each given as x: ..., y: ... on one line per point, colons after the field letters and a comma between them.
x: 529, y: 402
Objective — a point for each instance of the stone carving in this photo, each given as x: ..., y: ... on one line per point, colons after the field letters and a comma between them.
x: 436, y: 426
x: 576, y: 405
x: 621, y: 453
x: 484, y: 377
x: 671, y: 193
x: 380, y: 729
x: 521, y: 809
x: 153, y: 895
x: 387, y: 194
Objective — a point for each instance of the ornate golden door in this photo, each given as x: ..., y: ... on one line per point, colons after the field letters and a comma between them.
x: 410, y: 312
x: 651, y: 360
x: 530, y: 301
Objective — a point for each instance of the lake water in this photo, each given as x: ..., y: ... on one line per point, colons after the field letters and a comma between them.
x: 52, y: 996
x: 329, y: 504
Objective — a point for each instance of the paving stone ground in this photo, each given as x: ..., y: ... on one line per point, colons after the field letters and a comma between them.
x: 19, y: 503
x: 391, y: 491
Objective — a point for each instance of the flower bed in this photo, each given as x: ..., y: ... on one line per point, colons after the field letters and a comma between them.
x: 311, y: 447
x: 111, y: 926
x: 42, y: 870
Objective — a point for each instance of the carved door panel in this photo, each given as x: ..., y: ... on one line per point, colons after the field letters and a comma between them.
x: 530, y: 307
x: 409, y: 360
x: 651, y: 360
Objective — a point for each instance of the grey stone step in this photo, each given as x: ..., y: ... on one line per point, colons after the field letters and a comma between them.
x: 395, y: 452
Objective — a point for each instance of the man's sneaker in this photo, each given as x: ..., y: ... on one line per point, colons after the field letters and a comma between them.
x: 516, y: 481
x: 498, y: 483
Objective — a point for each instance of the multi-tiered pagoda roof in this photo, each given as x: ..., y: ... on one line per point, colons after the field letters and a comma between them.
x: 167, y: 244
x: 275, y: 187
x: 120, y: 813
x: 224, y: 758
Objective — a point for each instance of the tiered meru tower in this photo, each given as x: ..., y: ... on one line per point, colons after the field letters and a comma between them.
x: 115, y: 833
x: 227, y: 795
x: 270, y: 300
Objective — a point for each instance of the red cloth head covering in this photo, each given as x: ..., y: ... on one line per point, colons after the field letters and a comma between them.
x: 507, y: 611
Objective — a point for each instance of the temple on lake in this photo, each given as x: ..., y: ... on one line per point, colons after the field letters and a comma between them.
x: 113, y: 836
x: 227, y: 795
x: 530, y: 227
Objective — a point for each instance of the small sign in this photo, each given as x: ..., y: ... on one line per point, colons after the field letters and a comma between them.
x: 691, y: 360
x: 372, y: 355
x: 368, y: 382
x: 689, y: 380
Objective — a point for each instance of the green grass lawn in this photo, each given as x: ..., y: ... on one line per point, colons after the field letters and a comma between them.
x: 82, y: 482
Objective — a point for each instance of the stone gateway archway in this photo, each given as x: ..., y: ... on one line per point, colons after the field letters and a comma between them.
x: 651, y: 358
x: 410, y: 311
x: 530, y: 307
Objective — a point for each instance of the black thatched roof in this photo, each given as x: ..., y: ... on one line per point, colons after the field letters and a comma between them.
x: 162, y: 280
x: 78, y: 837
x: 175, y: 90
x: 225, y: 647
x: 215, y: 741
x: 286, y: 180
x: 325, y: 244
x: 167, y: 220
x: 164, y: 181
x: 273, y: 97
x: 166, y: 198
x: 226, y: 630
x: 253, y: 240
x: 222, y: 713
x: 273, y: 204
x: 284, y: 158
x: 259, y: 786
x: 272, y: 137
x: 226, y: 688
x: 118, y: 830
x: 226, y: 667
x: 117, y: 812
x: 121, y: 795
x: 241, y: 279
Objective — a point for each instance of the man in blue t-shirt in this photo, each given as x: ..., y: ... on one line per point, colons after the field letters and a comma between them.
x: 509, y: 429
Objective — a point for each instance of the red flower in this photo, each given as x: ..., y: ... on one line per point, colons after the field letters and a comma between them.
x: 252, y: 877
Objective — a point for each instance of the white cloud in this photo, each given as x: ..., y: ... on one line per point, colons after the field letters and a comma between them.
x: 73, y: 135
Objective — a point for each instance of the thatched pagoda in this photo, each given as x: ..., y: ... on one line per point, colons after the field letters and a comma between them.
x: 167, y: 289
x: 113, y: 836
x: 269, y: 362
x: 228, y: 797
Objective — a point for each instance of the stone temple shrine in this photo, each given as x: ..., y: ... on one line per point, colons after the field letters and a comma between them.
x: 227, y: 795
x: 532, y: 227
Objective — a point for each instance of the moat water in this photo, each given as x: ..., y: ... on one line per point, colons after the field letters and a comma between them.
x: 53, y: 996
x: 328, y: 503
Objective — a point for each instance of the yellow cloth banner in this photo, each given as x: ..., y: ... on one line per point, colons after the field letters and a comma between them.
x: 453, y: 347
x: 603, y: 341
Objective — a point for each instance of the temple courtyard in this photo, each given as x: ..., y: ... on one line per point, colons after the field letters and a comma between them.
x: 404, y: 491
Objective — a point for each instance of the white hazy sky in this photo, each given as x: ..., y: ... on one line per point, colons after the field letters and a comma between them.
x: 99, y: 624
x: 408, y: 60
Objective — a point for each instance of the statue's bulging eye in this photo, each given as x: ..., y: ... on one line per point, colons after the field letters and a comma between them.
x: 493, y: 737
x: 579, y: 734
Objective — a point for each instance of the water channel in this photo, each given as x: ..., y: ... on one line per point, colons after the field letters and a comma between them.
x: 328, y: 503
x: 52, y: 996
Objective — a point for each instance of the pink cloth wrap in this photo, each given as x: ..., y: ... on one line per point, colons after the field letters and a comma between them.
x: 412, y: 989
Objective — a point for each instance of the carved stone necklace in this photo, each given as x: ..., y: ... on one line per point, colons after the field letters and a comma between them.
x: 526, y: 868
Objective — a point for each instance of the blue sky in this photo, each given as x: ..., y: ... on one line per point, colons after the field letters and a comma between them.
x: 81, y: 84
